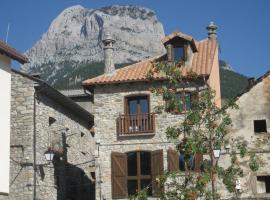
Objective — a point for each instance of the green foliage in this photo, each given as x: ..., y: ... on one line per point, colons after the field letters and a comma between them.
x: 141, y: 195
x: 254, y: 163
x: 232, y: 84
x: 203, y: 129
x: 242, y: 147
x: 77, y: 74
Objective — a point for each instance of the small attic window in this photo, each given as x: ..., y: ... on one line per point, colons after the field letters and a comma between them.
x: 260, y: 126
x: 178, y: 53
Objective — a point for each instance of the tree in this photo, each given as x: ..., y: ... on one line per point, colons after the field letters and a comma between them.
x: 203, y: 129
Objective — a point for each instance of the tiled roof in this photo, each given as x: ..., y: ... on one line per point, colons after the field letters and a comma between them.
x: 183, y: 36
x: 13, y: 53
x: 176, y: 34
x: 201, y: 65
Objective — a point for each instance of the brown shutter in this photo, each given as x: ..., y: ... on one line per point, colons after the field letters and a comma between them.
x: 198, y: 162
x: 173, y: 160
x: 169, y: 48
x: 185, y: 52
x: 157, y: 171
x: 119, y: 175
x: 194, y: 98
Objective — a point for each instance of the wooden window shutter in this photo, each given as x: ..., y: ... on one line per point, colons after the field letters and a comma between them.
x: 185, y: 52
x: 169, y: 48
x: 198, y: 162
x: 119, y: 175
x: 173, y: 160
x: 194, y: 98
x: 157, y: 171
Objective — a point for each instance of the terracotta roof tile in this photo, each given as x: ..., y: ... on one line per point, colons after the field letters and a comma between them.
x: 201, y: 65
x: 13, y: 53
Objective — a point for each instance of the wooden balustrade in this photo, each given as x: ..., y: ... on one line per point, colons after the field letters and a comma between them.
x: 136, y: 124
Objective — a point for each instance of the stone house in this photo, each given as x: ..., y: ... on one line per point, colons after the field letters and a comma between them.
x: 7, y: 54
x: 250, y: 123
x: 132, y: 149
x: 42, y: 120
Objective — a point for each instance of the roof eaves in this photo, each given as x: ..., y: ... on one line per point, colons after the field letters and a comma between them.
x: 60, y: 98
x: 12, y: 53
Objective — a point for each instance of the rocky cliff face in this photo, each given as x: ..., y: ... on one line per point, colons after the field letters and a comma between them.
x: 71, y: 49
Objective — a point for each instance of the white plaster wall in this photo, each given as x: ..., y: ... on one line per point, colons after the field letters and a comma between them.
x: 5, y: 89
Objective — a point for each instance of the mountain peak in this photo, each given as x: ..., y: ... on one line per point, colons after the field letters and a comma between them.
x: 74, y: 39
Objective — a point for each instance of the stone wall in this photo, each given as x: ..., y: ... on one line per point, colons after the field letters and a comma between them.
x: 108, y: 104
x: 253, y: 105
x: 67, y: 134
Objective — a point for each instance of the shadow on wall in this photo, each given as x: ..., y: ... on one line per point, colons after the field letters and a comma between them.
x: 72, y: 182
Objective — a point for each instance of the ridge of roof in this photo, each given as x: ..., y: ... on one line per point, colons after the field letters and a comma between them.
x: 12, y: 52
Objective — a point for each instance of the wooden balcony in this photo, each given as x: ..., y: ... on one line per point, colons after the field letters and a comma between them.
x: 138, y: 124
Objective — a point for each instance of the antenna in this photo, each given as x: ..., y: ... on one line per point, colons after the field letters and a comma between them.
x: 7, y: 33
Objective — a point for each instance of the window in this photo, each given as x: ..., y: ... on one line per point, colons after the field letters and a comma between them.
x: 137, y: 105
x: 134, y: 171
x: 183, y: 101
x: 139, y: 172
x: 263, y: 184
x: 178, y: 53
x: 189, y: 161
x: 260, y: 126
x: 183, y: 162
x: 137, y: 118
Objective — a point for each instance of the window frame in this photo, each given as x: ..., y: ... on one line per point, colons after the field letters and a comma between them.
x: 135, y: 96
x: 184, y: 109
x: 139, y: 177
x: 185, y: 52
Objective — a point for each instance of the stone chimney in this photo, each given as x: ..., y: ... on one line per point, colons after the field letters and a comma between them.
x: 212, y: 30
x: 108, y: 53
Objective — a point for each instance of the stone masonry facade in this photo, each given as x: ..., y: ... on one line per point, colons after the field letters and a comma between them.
x: 67, y: 134
x: 108, y: 104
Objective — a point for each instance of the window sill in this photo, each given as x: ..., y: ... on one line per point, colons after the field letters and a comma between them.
x: 261, y: 133
x: 263, y: 195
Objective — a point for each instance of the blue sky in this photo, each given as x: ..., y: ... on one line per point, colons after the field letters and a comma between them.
x: 244, y: 25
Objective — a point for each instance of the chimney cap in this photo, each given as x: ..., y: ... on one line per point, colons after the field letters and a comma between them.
x: 108, y: 38
x: 212, y: 30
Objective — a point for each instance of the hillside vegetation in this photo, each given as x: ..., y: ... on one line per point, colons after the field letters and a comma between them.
x: 232, y: 83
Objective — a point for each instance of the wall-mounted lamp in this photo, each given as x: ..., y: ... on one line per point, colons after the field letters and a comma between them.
x: 238, y: 185
x: 216, y: 153
x: 49, y: 155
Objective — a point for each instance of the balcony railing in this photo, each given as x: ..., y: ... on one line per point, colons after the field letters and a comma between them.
x: 128, y: 125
